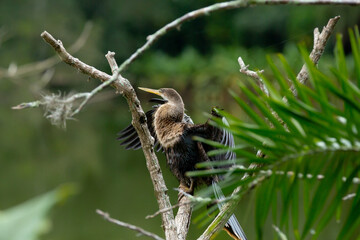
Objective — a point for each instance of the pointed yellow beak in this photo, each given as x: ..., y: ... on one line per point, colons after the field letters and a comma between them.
x: 157, y: 92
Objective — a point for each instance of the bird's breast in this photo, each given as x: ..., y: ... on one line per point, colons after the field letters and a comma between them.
x: 168, y: 133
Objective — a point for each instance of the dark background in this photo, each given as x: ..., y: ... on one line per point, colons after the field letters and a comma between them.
x: 199, y: 60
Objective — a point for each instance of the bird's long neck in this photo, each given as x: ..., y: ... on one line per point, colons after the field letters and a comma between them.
x: 173, y: 112
x: 168, y: 124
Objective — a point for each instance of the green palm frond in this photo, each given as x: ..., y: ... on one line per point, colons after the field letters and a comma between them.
x: 311, y: 144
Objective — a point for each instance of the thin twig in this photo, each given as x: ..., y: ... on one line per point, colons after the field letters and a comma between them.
x: 79, y: 65
x: 190, y: 200
x: 158, y: 212
x: 127, y: 225
x: 110, y: 56
x: 244, y: 69
x: 34, y: 104
x: 39, y: 103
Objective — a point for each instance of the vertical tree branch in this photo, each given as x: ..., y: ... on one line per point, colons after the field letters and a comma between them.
x: 139, y: 121
x: 183, y: 216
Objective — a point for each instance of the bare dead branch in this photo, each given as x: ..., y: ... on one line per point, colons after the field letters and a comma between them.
x: 139, y: 121
x: 166, y: 209
x: 34, y: 104
x: 244, y: 70
x: 80, y: 66
x: 110, y: 56
x: 72, y: 61
x: 320, y: 41
x: 127, y: 225
x: 183, y: 218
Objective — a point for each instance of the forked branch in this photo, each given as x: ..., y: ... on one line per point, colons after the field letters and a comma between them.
x: 139, y: 121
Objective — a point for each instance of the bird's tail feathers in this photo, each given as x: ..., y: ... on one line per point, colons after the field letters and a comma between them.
x: 232, y: 226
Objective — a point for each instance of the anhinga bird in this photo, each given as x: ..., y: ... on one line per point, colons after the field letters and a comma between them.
x: 173, y: 132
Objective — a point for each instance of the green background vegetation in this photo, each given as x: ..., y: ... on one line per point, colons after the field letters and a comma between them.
x: 200, y: 61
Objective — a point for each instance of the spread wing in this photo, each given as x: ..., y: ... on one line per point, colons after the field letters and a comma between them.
x: 221, y: 136
x: 129, y: 137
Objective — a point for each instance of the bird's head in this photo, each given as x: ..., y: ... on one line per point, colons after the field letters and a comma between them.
x: 173, y: 108
x: 168, y: 94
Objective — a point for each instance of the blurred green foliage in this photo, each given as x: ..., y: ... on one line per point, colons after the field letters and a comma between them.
x: 29, y: 219
x: 199, y: 60
x: 314, y: 133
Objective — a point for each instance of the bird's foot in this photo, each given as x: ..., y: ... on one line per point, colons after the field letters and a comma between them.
x: 185, y: 190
